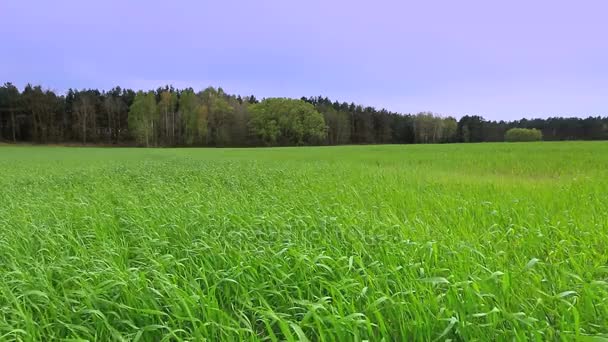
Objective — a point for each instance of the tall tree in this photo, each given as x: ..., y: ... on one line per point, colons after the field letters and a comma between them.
x: 220, y: 116
x: 194, y: 118
x: 142, y: 117
x: 338, y: 124
x: 84, y: 110
x: 470, y: 129
x: 114, y: 107
x: 167, y: 108
x: 9, y: 105
x: 239, y: 132
x: 42, y: 106
x: 424, y: 127
x: 450, y: 128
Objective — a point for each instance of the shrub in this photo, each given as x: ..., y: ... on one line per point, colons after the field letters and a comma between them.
x: 523, y: 134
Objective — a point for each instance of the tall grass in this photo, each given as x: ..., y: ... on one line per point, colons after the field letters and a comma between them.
x: 463, y: 242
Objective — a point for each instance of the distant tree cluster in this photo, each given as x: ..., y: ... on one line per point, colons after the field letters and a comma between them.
x: 523, y: 134
x: 281, y: 121
x: 174, y: 117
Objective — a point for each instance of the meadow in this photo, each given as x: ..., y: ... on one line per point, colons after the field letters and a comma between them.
x: 461, y: 242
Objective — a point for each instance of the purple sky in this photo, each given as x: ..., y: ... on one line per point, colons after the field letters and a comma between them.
x: 499, y: 59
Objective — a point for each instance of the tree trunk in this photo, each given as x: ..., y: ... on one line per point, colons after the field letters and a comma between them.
x: 117, y: 135
x: 166, y: 126
x: 147, y: 141
x: 84, y: 129
x: 13, y: 125
x: 35, y: 127
x: 109, y: 129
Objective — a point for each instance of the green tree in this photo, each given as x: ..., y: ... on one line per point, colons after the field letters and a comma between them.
x: 450, y: 128
x: 239, y: 133
x: 115, y: 108
x: 470, y: 129
x: 194, y: 118
x: 338, y: 124
x: 425, y: 128
x: 523, y: 134
x: 287, y: 122
x: 166, y: 107
x: 9, y: 105
x: 84, y: 110
x: 431, y: 128
x: 42, y: 106
x: 219, y: 114
x: 142, y: 116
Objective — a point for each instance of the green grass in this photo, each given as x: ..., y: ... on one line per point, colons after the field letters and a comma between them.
x: 421, y: 242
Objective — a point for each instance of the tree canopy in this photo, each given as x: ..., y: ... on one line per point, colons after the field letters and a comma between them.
x: 287, y: 122
x: 523, y: 134
x: 143, y: 115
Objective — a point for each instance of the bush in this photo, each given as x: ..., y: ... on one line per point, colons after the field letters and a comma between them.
x: 523, y: 134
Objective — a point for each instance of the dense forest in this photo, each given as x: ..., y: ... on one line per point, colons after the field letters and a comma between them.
x: 174, y: 117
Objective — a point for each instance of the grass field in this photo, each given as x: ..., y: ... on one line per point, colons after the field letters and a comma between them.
x: 421, y: 242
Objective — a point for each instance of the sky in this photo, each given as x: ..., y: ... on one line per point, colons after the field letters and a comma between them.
x: 499, y: 59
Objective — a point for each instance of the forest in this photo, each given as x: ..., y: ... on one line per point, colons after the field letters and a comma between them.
x: 212, y: 117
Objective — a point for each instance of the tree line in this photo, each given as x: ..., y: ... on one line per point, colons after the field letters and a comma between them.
x: 211, y: 117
